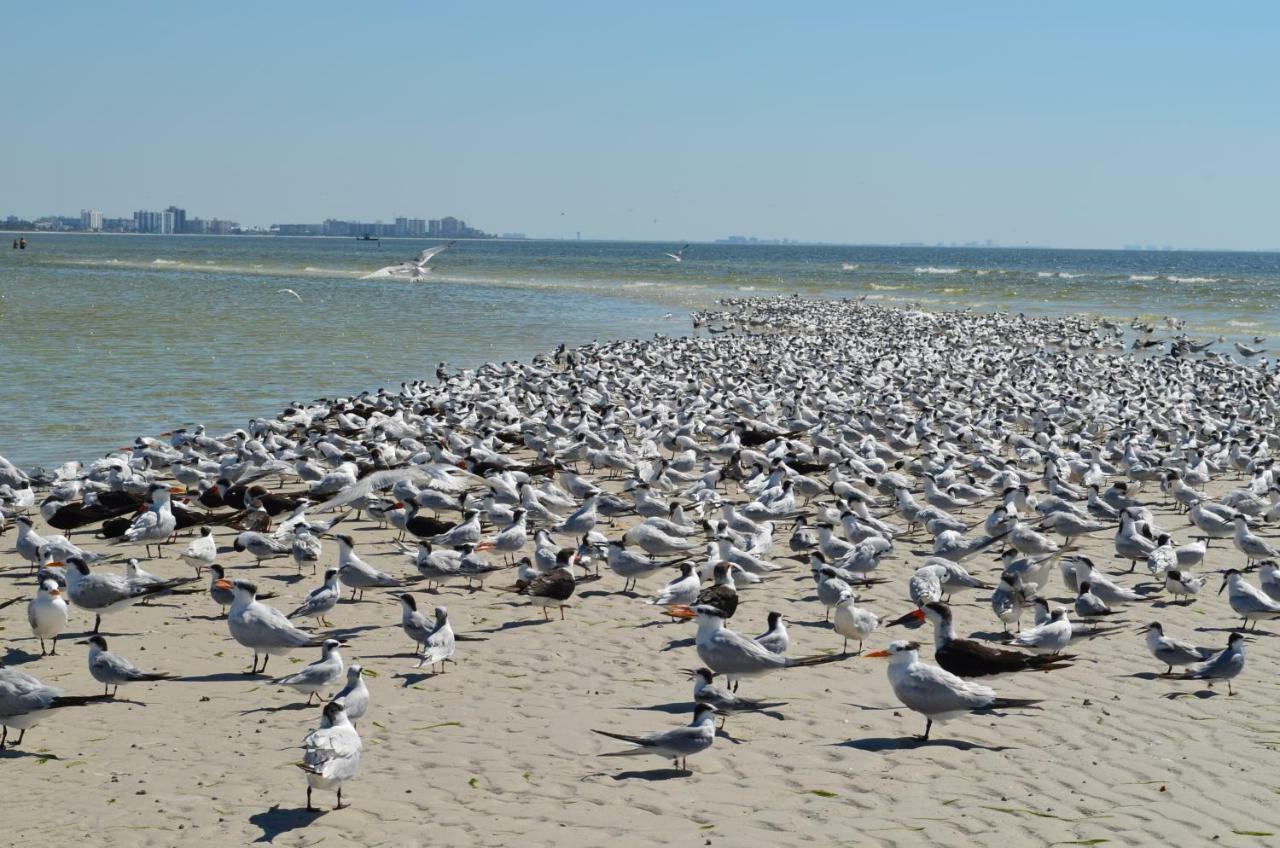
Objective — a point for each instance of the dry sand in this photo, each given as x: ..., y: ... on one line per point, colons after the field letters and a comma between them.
x: 498, y: 749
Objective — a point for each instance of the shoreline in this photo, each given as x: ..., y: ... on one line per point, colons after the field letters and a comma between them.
x: 499, y: 745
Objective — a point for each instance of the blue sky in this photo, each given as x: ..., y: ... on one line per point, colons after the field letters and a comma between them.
x: 1078, y: 125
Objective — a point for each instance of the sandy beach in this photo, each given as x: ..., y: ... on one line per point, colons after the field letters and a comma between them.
x: 499, y: 748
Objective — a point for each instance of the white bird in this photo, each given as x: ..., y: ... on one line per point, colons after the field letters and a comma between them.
x: 321, y: 600
x: 332, y: 752
x: 936, y: 694
x: 202, y: 552
x: 290, y: 291
x: 25, y: 701
x: 678, y: 255
x: 440, y: 643
x: 1248, y: 601
x: 355, y: 573
x: 110, y: 669
x: 1048, y: 638
x: 47, y: 614
x: 354, y: 697
x: 1172, y: 651
x: 852, y: 621
x: 414, y: 269
x: 1225, y: 665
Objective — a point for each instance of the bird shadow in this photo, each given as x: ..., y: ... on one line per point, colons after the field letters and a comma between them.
x: 11, y: 753
x: 289, y: 579
x: 881, y: 744
x: 654, y: 774
x: 297, y: 705
x: 821, y: 625
x: 343, y: 633
x: 512, y: 625
x: 672, y: 708
x: 413, y: 678
x: 992, y: 636
x: 276, y: 821
x: 600, y: 593
x: 221, y: 677
x: 17, y: 656
x: 1246, y: 633
x: 1202, y: 694
x: 659, y: 623
x: 1144, y: 675
x: 679, y: 643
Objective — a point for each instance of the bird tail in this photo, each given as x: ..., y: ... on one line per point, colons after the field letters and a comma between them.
x: 158, y: 675
x: 621, y: 737
x: 819, y: 659
x: 1049, y: 662
x: 1014, y: 704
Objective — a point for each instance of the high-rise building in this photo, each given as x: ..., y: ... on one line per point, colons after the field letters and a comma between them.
x: 166, y: 222
x: 450, y: 227
x: 179, y: 219
x: 91, y: 220
x: 433, y: 228
x: 148, y: 222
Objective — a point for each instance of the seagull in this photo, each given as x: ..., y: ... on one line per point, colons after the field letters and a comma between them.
x: 332, y: 752
x: 936, y: 694
x: 678, y: 255
x: 47, y: 614
x: 110, y: 669
x: 322, y: 674
x: 202, y: 552
x: 676, y: 745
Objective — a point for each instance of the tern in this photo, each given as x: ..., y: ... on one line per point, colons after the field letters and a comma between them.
x: 969, y: 658
x: 705, y: 691
x: 157, y: 523
x: 110, y: 669
x: 332, y: 752
x: 262, y: 628
x: 1248, y: 602
x: 318, y: 676
x: 25, y: 701
x: 354, y: 696
x: 676, y: 745
x: 202, y: 552
x: 1225, y: 665
x: 1172, y: 651
x: 439, y: 645
x: 321, y: 600
x: 728, y: 652
x: 355, y: 573
x: 101, y: 593
x: 938, y: 694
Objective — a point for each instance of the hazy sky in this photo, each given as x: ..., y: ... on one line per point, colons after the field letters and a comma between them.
x: 1083, y: 124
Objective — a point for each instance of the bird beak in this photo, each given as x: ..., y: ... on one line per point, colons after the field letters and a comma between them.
x: 225, y: 585
x: 83, y: 642
x: 681, y: 612
x: 914, y: 615
x: 877, y: 654
x: 688, y: 672
x: 1223, y: 586
x: 55, y: 564
x: 177, y: 490
x: 53, y: 593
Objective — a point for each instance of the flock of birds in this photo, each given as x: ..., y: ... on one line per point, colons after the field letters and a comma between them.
x: 818, y: 434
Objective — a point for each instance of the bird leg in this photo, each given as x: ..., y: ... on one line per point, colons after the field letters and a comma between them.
x: 928, y: 724
x: 42, y: 653
x: 97, y: 622
x: 562, y: 612
x: 310, y: 809
x: 340, y: 804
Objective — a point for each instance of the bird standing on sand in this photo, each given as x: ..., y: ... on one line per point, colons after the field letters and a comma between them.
x: 47, y: 614
x: 318, y: 676
x: 937, y: 694
x: 332, y: 753
x: 676, y: 745
x: 262, y: 628
x: 110, y: 669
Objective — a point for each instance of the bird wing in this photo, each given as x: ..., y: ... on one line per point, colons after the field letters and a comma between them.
x: 425, y: 256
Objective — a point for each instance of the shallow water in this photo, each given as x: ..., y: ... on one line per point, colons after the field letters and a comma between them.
x: 105, y: 337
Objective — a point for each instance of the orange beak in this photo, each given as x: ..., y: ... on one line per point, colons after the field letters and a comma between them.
x: 681, y: 612
x: 177, y: 490
x: 55, y: 564
x: 877, y: 654
x: 484, y: 546
x: 914, y: 615
x: 225, y: 585
x: 53, y: 593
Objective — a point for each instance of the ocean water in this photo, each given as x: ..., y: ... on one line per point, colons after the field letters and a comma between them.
x: 106, y: 337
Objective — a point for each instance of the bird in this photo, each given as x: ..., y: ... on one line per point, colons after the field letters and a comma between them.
x: 1246, y: 600
x: 705, y: 691
x: 321, y: 600
x: 938, y: 694
x: 554, y: 588
x: 1225, y: 665
x: 1172, y: 651
x: 775, y: 639
x: 676, y: 745
x: 970, y: 658
x: 728, y: 652
x: 355, y: 573
x: 354, y: 696
x: 852, y: 621
x: 414, y: 269
x: 440, y: 642
x: 318, y: 676
x: 1048, y: 638
x: 101, y: 593
x: 331, y: 752
x: 1182, y: 584
x: 110, y: 669
x: 157, y: 523
x: 25, y: 701
x: 290, y: 291
x: 202, y: 552
x: 261, y: 628
x: 682, y: 590
x: 47, y: 615
x: 678, y: 255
